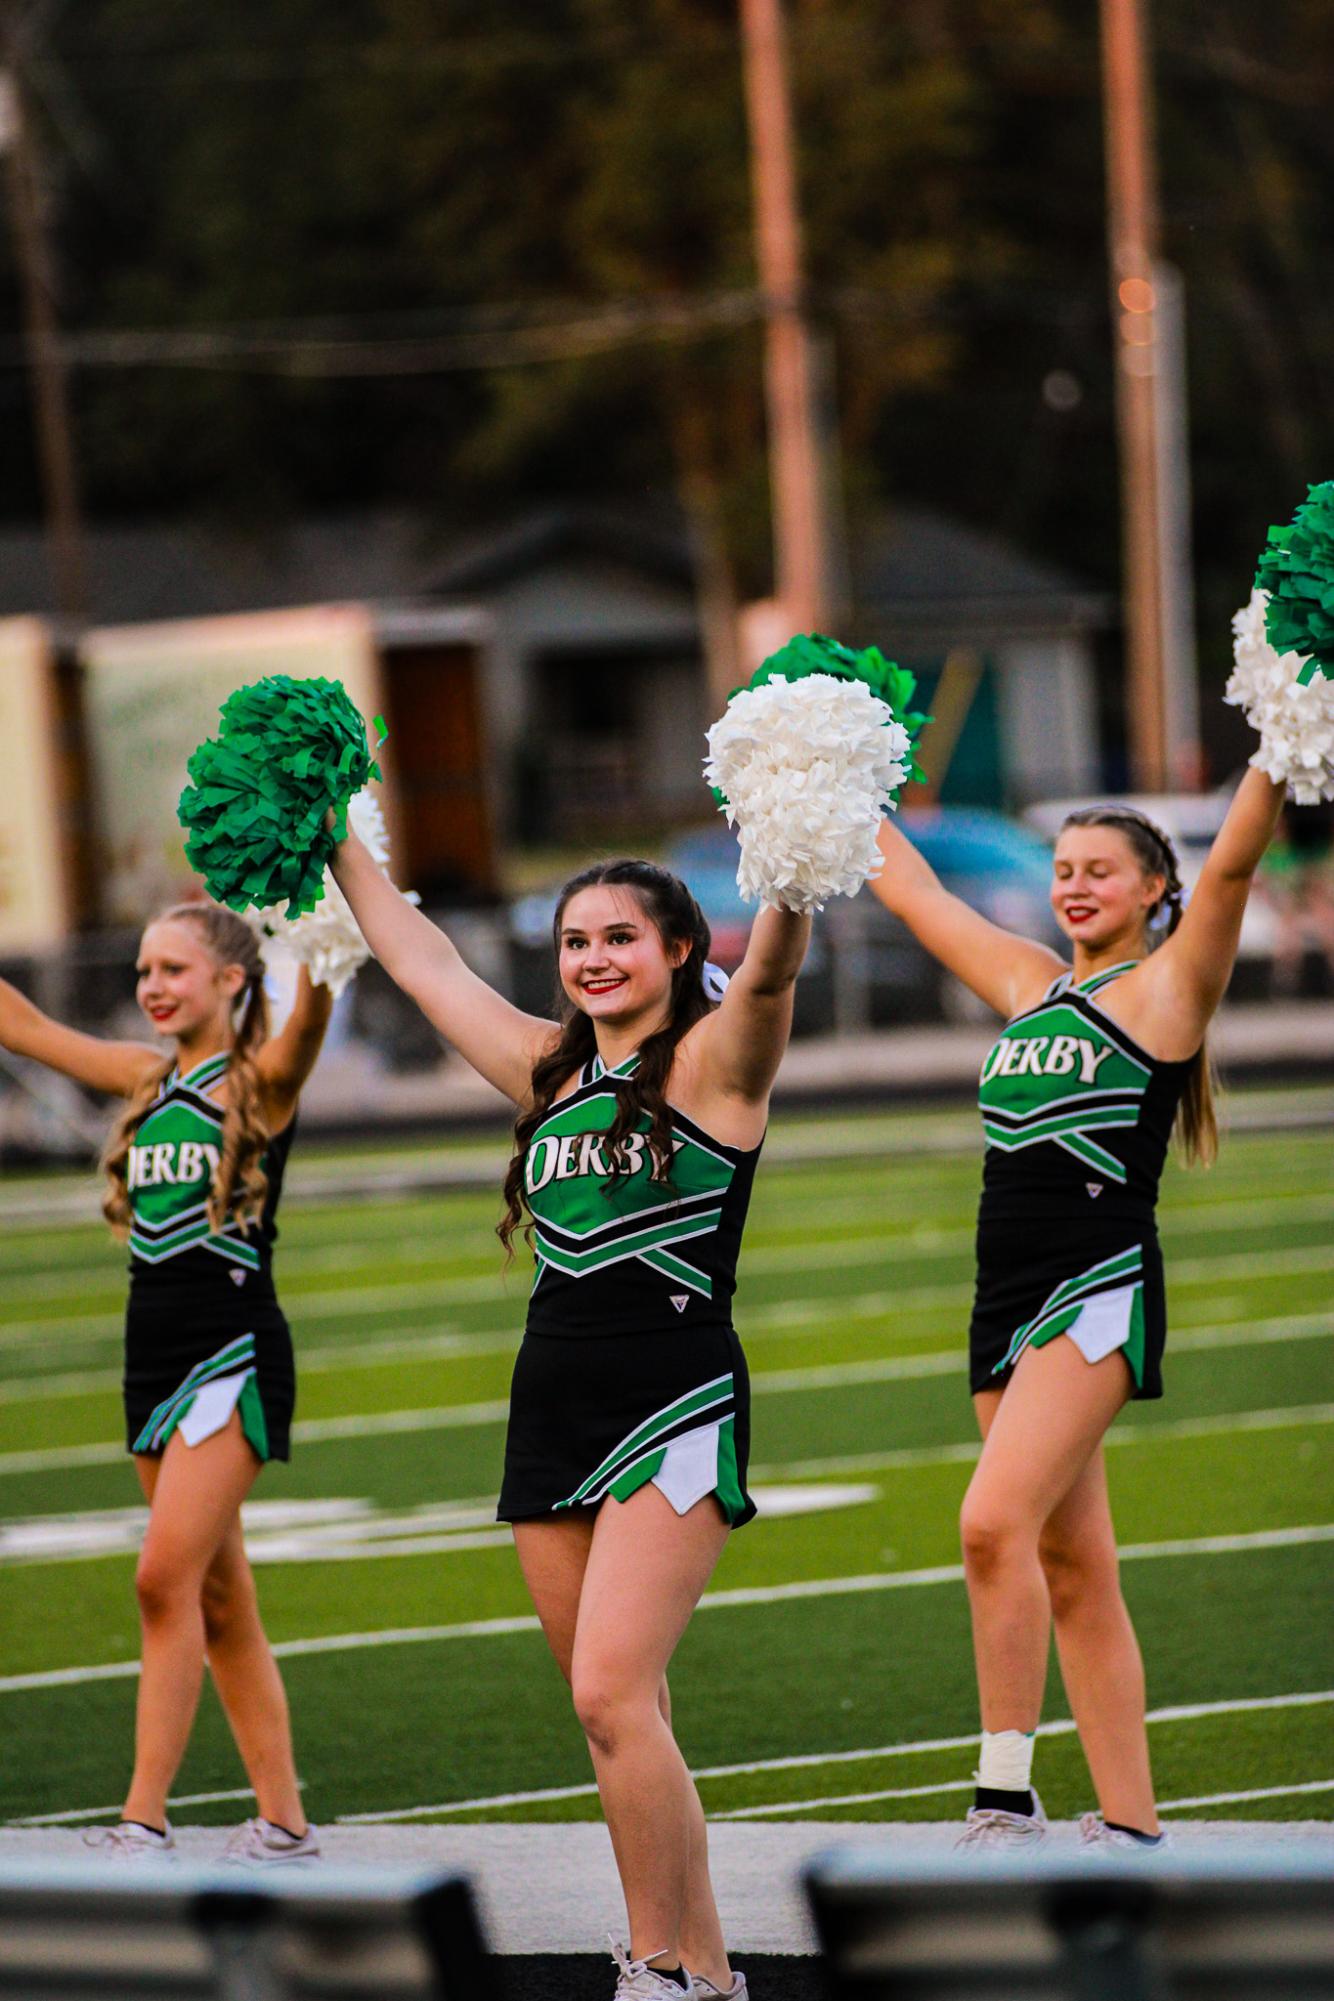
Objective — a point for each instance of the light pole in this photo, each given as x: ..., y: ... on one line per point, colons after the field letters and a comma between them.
x: 796, y: 471
x: 1150, y: 408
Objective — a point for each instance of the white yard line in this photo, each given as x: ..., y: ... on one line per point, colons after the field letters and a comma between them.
x: 816, y: 1143
x: 787, y: 1320
x: 895, y: 1240
x: 544, y: 1794
x: 861, y: 1250
x: 1293, y: 1416
x: 1061, y: 1727
x: 781, y: 1809
x: 712, y: 1601
x: 887, y: 1369
x: 1254, y: 1793
x: 98, y: 1812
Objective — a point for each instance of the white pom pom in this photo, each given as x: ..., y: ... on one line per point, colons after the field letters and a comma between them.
x: 1295, y: 720
x: 327, y: 939
x: 807, y: 767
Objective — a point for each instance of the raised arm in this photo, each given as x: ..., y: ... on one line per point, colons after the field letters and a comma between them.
x: 497, y: 1038
x: 1008, y: 972
x: 742, y: 1044
x: 1186, y: 977
x: 117, y: 1067
x: 287, y: 1058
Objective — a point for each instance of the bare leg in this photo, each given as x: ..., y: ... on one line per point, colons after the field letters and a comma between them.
x: 702, y: 1945
x: 249, y: 1685
x: 1050, y: 1419
x: 1100, y: 1656
x: 195, y: 1493
x: 614, y: 1594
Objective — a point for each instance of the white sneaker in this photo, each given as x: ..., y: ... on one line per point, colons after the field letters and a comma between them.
x: 704, y: 1990
x: 1094, y: 1834
x: 257, y: 1843
x: 130, y: 1841
x: 638, y: 1981
x: 996, y: 1827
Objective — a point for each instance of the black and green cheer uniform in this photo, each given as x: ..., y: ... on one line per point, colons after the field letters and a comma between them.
x: 630, y: 1369
x: 204, y: 1334
x: 1077, y: 1120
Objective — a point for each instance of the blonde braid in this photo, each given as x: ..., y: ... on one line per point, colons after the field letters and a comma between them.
x: 116, y: 1152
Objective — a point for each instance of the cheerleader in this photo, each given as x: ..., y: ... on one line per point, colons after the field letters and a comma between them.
x: 640, y: 1119
x: 1099, y: 1060
x: 194, y: 1170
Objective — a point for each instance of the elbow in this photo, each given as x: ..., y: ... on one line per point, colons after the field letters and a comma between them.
x: 774, y: 982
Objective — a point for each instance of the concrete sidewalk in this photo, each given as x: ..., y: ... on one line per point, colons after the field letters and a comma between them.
x: 553, y: 1888
x: 350, y: 1089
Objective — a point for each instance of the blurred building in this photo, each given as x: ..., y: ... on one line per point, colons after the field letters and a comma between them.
x: 542, y: 682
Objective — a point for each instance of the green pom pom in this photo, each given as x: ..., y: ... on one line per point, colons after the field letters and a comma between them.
x: 1297, y: 570
x: 816, y: 653
x: 287, y: 751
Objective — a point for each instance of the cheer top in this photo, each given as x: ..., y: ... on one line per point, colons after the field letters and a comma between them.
x: 168, y: 1171
x: 1077, y: 1116
x: 626, y: 1254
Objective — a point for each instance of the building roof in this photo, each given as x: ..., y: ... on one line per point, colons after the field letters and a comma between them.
x: 913, y: 574
x: 916, y: 574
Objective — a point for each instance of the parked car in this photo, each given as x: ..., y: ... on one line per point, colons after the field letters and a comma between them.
x: 864, y: 968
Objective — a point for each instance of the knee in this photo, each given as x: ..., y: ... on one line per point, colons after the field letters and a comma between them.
x: 609, y: 1708
x: 228, y: 1603
x: 1078, y: 1575
x: 162, y: 1587
x: 990, y: 1536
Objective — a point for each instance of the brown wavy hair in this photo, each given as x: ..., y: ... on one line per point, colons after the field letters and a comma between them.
x: 1196, y: 1128
x: 677, y: 918
x: 239, y: 1185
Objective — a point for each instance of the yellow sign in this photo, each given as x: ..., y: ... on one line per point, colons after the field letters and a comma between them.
x: 153, y: 693
x: 33, y: 907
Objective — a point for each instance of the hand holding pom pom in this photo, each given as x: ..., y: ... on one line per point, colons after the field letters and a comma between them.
x: 1295, y: 717
x: 327, y: 939
x: 287, y: 753
x: 804, y: 762
x: 1296, y: 572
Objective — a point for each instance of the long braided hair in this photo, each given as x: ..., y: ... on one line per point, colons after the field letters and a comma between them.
x: 239, y: 1184
x: 1197, y: 1116
x: 678, y: 919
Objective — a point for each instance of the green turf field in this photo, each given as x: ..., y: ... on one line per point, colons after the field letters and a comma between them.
x: 829, y: 1672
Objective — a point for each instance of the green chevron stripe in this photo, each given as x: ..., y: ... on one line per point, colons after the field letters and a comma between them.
x: 157, y: 1251
x: 677, y: 1268
x: 641, y: 1439
x: 1040, y: 1124
x: 1099, y: 1275
x: 631, y: 1244
x: 226, y: 1362
x: 1094, y: 1155
x: 1066, y: 1301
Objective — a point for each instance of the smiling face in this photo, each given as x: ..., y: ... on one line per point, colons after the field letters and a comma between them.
x: 183, y: 988
x: 614, y: 963
x: 1100, y: 892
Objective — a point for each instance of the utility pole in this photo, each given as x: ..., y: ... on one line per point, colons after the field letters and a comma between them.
x: 796, y: 472
x: 55, y: 447
x: 1155, y: 563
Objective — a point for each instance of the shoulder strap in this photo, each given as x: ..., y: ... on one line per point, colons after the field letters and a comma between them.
x: 1095, y: 981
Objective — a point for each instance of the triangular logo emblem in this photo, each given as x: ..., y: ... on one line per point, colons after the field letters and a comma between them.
x: 1094, y: 1188
x: 236, y: 1277
x: 680, y: 1300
